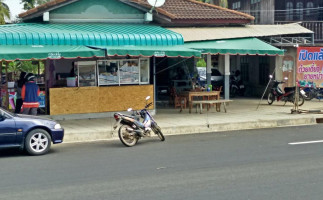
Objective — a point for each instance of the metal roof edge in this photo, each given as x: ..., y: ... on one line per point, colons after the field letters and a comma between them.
x: 227, y: 32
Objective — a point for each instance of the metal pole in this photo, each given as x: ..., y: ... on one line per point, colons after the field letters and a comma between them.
x: 155, y: 91
x: 226, y: 76
x: 6, y: 88
x: 1, y: 86
x: 208, y: 70
x: 266, y: 87
x: 296, y: 97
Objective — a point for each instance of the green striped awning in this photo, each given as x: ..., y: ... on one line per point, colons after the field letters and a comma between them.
x: 242, y: 46
x: 29, y: 52
x: 84, y: 34
x: 158, y: 51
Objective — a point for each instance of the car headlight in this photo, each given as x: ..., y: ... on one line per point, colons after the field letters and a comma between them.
x: 57, y: 126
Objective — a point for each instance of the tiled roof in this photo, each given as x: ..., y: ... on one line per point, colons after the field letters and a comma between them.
x: 195, y: 10
x: 176, y: 10
x: 43, y: 7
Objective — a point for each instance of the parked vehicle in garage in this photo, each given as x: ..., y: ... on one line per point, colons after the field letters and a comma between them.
x: 30, y: 133
x: 217, y: 78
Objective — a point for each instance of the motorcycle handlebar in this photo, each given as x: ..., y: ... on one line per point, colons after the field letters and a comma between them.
x: 279, y: 81
x: 148, y: 105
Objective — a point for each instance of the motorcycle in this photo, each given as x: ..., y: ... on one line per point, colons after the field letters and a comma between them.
x: 287, y: 96
x: 311, y: 92
x: 236, y: 85
x: 131, y: 129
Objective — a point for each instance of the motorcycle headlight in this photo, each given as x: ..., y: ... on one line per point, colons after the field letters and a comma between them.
x: 57, y: 126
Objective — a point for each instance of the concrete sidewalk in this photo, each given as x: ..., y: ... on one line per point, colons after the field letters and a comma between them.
x: 241, y: 114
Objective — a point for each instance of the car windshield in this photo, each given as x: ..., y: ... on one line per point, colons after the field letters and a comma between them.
x: 216, y: 72
x: 3, y: 112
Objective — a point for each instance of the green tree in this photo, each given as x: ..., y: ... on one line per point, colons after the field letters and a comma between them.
x: 204, y: 1
x: 29, y: 4
x: 4, y: 12
x: 26, y: 66
x: 224, y: 3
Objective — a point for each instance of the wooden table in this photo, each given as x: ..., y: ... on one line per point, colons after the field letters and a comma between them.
x: 216, y: 94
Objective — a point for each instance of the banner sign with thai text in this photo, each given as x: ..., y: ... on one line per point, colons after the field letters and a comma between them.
x: 310, y: 66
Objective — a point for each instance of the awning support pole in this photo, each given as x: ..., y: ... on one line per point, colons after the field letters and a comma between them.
x: 6, y: 88
x: 226, y: 76
x: 208, y: 69
x: 155, y: 91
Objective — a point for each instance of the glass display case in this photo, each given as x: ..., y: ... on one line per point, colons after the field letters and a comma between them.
x: 86, y: 73
x: 125, y: 71
x: 129, y: 71
x: 108, y: 73
x: 144, y: 70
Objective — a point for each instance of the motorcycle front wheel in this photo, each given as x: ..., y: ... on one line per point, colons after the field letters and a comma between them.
x: 270, y: 98
x: 158, y: 132
x: 127, y: 138
x: 301, y: 100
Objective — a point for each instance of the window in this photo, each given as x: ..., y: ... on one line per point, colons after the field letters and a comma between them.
x: 255, y: 10
x: 86, y: 73
x: 236, y: 5
x: 299, y: 11
x: 125, y: 71
x: 255, y: 1
x: 309, y: 6
x: 289, y: 11
x: 129, y: 71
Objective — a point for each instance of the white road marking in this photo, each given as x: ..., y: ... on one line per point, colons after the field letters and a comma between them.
x: 306, y: 142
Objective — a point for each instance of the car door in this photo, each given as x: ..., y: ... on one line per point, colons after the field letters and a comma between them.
x: 7, y: 129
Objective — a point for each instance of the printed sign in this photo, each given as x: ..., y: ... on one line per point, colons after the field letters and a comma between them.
x: 160, y: 53
x: 54, y: 55
x: 41, y: 99
x: 310, y: 66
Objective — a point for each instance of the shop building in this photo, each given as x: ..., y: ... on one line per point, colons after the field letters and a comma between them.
x: 125, y: 50
x: 121, y: 45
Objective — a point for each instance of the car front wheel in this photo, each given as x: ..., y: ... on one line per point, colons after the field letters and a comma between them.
x: 37, y: 142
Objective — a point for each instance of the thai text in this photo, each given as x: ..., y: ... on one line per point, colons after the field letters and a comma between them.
x: 304, y: 55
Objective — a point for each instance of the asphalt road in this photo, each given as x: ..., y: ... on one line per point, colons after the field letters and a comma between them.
x: 253, y: 164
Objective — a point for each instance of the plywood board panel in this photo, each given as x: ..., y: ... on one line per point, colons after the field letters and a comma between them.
x: 74, y: 100
x: 99, y: 99
x: 121, y: 98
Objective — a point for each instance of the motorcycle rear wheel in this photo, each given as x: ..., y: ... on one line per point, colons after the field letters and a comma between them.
x: 309, y: 95
x: 158, y: 132
x: 127, y: 138
x: 270, y: 98
x: 233, y: 92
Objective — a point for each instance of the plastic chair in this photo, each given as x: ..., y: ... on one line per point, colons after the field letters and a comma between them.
x: 178, y: 101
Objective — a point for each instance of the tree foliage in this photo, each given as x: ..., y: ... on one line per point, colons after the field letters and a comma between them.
x: 26, y: 66
x: 224, y: 3
x: 4, y: 12
x: 30, y: 4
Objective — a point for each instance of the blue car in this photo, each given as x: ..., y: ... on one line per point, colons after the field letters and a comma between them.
x: 30, y: 133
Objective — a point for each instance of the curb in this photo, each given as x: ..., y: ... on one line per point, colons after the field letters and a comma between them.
x: 86, y: 136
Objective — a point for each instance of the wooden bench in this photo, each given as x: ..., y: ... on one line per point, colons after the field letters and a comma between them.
x: 210, y: 102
